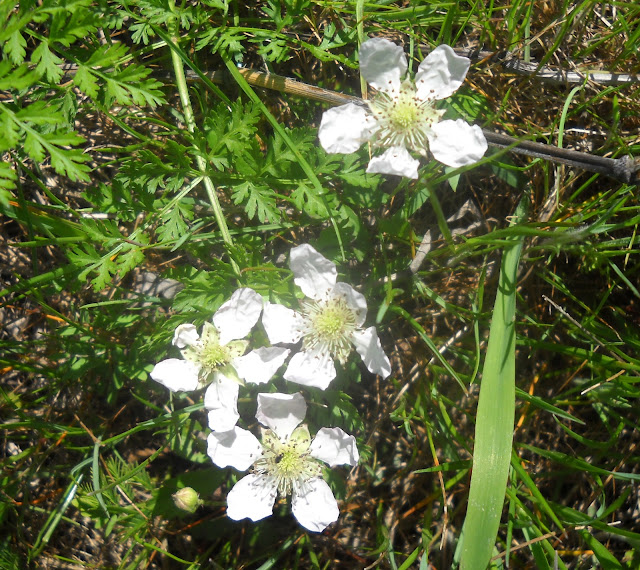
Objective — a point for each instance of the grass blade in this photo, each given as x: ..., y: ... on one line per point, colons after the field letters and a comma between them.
x: 494, y: 423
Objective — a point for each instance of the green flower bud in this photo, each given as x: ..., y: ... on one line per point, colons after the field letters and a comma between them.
x: 187, y: 499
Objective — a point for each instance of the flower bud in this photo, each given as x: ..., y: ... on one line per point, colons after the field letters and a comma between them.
x: 187, y: 499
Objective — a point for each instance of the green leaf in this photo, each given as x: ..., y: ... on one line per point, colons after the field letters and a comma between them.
x: 48, y: 64
x: 494, y: 421
x: 307, y: 200
x: 15, y: 46
x: 15, y: 79
x: 86, y: 82
x: 258, y: 199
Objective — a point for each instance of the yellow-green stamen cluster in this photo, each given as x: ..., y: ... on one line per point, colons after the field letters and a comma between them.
x: 210, y: 355
x: 288, y: 461
x: 403, y: 119
x: 329, y: 327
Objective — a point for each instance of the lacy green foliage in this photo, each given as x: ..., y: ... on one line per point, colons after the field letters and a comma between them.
x: 37, y: 122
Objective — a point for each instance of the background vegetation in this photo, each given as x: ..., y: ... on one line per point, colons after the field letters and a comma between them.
x: 111, y: 237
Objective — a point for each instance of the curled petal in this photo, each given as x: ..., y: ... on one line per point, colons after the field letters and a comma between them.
x: 237, y: 448
x: 252, y: 497
x: 335, y: 447
x: 311, y: 368
x: 185, y: 335
x: 176, y: 374
x: 457, y: 143
x: 312, y: 271
x: 441, y: 73
x: 314, y: 505
x: 395, y: 160
x: 281, y: 412
x: 282, y: 324
x: 370, y: 350
x: 382, y: 63
x: 221, y: 399
x: 343, y: 129
x: 355, y: 300
x: 259, y: 366
x: 235, y: 318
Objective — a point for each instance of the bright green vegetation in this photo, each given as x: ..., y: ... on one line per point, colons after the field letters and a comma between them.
x: 122, y: 164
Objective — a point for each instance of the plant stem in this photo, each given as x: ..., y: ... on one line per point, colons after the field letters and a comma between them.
x: 181, y: 83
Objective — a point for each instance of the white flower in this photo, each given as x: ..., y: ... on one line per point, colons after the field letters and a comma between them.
x: 329, y: 323
x: 215, y: 358
x: 286, y: 462
x: 403, y: 115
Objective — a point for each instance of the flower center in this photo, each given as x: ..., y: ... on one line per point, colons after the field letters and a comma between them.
x: 287, y: 461
x: 211, y: 356
x: 404, y: 119
x: 330, y: 325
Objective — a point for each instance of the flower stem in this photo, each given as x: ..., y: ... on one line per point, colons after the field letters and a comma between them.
x: 181, y: 83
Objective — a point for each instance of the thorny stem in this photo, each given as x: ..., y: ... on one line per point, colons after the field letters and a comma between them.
x: 181, y: 83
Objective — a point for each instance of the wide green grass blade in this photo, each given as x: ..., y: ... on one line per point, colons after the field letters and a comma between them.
x: 494, y: 421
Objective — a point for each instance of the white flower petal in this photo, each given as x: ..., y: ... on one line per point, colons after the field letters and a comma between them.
x: 314, y: 505
x: 457, y: 143
x: 235, y: 318
x: 369, y: 348
x: 355, y: 300
x: 252, y: 497
x: 281, y: 412
x: 237, y: 448
x: 176, y: 374
x: 281, y: 323
x: 343, y: 129
x: 395, y: 160
x: 185, y: 335
x: 441, y: 73
x: 221, y: 399
x: 312, y: 271
x: 311, y: 368
x: 259, y: 366
x: 382, y: 63
x: 335, y: 447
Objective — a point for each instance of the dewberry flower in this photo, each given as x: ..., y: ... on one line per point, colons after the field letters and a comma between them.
x: 216, y: 358
x: 286, y: 462
x: 329, y: 323
x: 403, y: 117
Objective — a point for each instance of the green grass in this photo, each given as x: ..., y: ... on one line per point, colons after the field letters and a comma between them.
x: 117, y: 171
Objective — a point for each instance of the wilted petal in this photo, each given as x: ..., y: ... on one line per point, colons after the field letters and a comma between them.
x: 457, y: 143
x: 176, y: 374
x: 221, y: 399
x: 395, y: 160
x: 369, y: 348
x: 259, y: 366
x: 252, y: 497
x: 343, y: 129
x: 335, y: 447
x: 314, y: 505
x: 281, y: 412
x: 311, y: 368
x: 235, y: 318
x: 282, y: 324
x: 355, y: 300
x: 185, y: 335
x: 382, y: 64
x: 237, y: 448
x: 441, y: 73
x: 312, y: 271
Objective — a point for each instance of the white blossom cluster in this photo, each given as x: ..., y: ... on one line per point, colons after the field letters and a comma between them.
x: 404, y: 117
x: 327, y: 326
